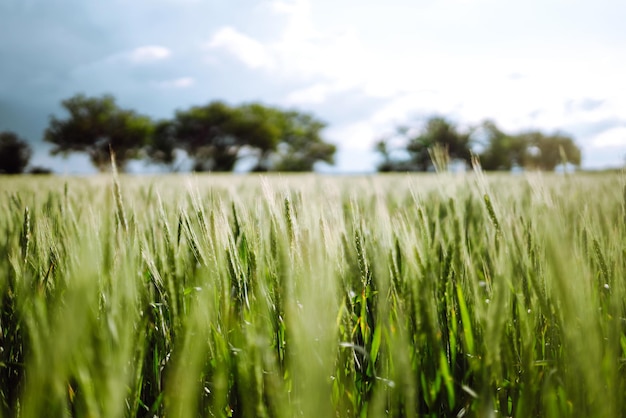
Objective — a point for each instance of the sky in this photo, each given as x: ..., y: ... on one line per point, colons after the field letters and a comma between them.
x: 364, y: 67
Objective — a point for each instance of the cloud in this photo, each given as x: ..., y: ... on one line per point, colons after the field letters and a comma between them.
x: 359, y: 135
x: 586, y: 104
x: 423, y: 69
x: 250, y: 51
x: 293, y: 7
x: 301, y: 52
x: 299, y: 18
x: 612, y: 138
x: 115, y: 67
x: 591, y: 104
x: 314, y: 94
x: 516, y: 76
x: 143, y: 65
x: 148, y: 53
x: 181, y: 82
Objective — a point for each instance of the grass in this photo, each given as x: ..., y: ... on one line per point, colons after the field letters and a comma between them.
x: 245, y: 296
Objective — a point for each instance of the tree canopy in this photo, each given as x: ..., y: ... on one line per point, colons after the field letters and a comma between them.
x: 499, y: 150
x: 213, y: 135
x: 15, y: 153
x: 531, y: 149
x: 418, y: 145
x: 301, y: 145
x: 95, y: 125
x: 216, y: 136
x: 549, y: 151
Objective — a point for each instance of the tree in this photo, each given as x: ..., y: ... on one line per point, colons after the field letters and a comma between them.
x: 213, y: 135
x: 502, y: 151
x: 439, y: 131
x: 531, y: 149
x: 95, y: 125
x: 551, y: 150
x: 263, y: 127
x: 301, y: 144
x: 419, y: 144
x: 216, y: 136
x: 161, y: 149
x: 15, y: 153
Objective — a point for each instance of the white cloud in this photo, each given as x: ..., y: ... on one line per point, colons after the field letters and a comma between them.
x: 414, y: 69
x: 615, y: 137
x: 290, y: 7
x: 359, y: 135
x: 148, y: 53
x: 298, y: 13
x: 111, y: 69
x: 140, y: 55
x: 302, y: 52
x: 250, y: 51
x: 314, y: 94
x: 181, y: 82
x: 317, y: 93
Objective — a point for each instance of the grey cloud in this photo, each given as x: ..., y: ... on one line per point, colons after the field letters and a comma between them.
x: 591, y: 104
x: 587, y: 104
x: 43, y: 46
x: 52, y: 49
x: 594, y: 157
x: 26, y: 120
x: 516, y: 76
x: 605, y: 158
x: 59, y: 47
x: 585, y: 131
x: 535, y: 113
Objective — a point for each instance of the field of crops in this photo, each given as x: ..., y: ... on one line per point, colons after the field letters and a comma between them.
x: 312, y: 296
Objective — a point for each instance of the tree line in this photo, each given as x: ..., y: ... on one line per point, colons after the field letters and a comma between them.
x: 439, y: 142
x: 216, y: 136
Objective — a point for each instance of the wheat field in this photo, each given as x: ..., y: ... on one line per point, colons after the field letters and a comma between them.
x: 313, y: 296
